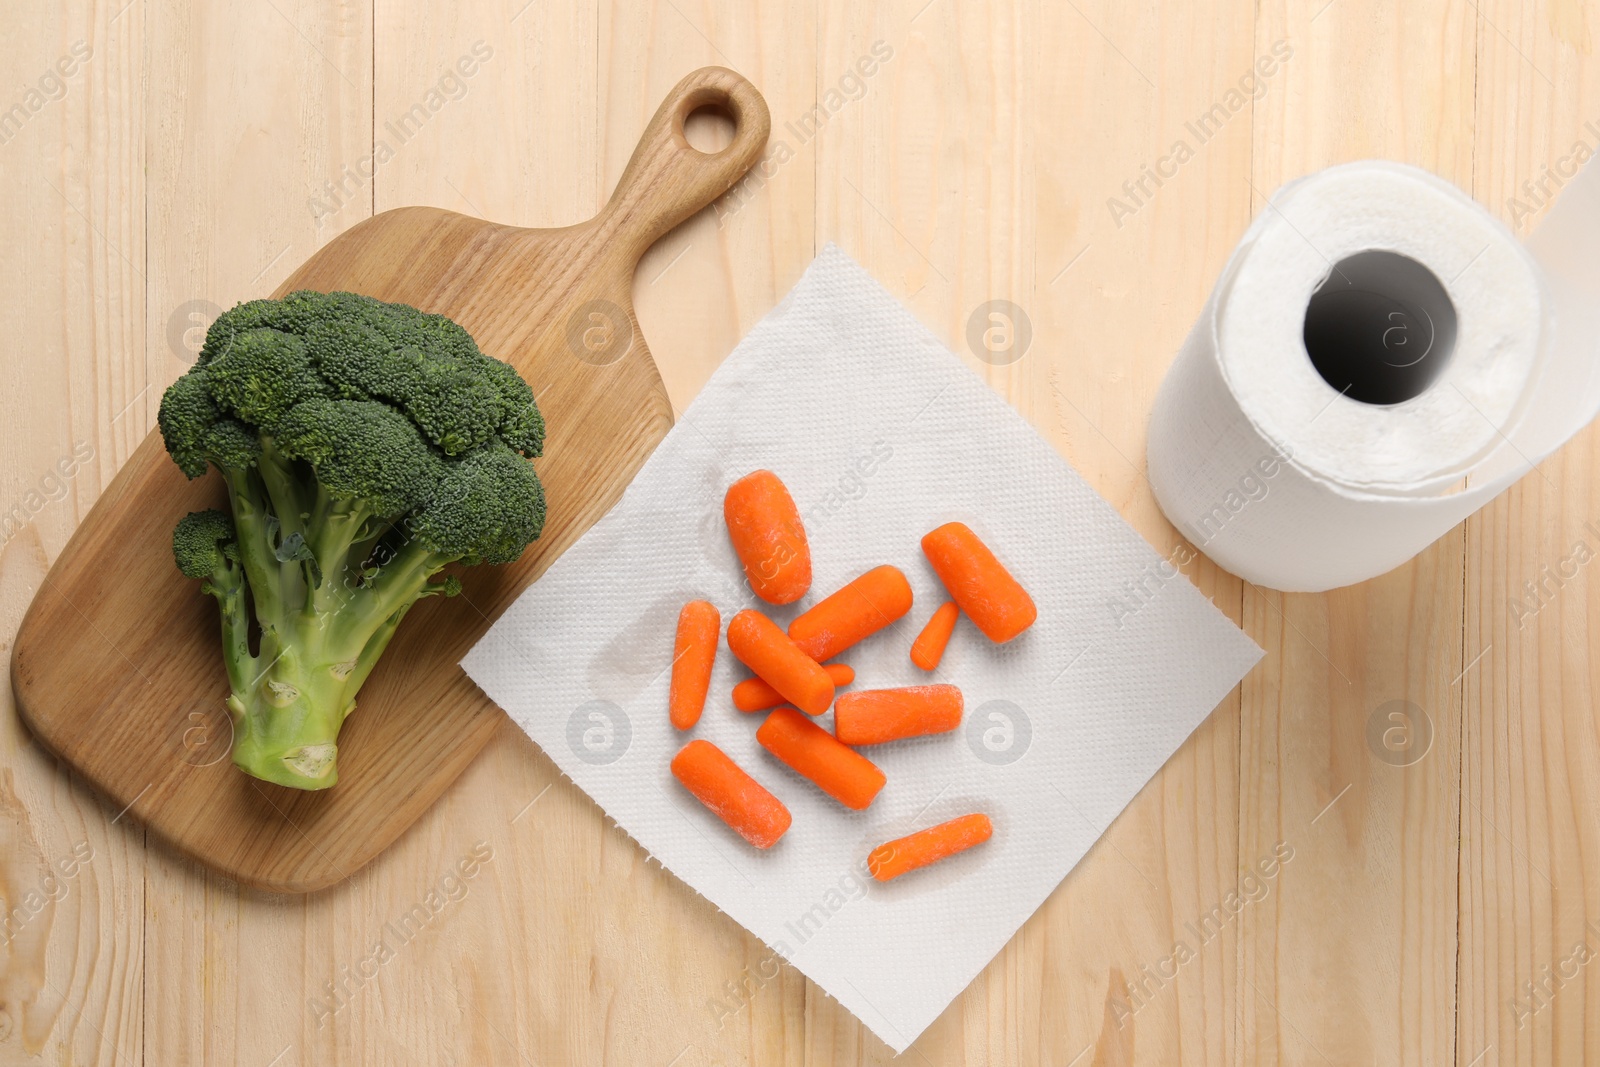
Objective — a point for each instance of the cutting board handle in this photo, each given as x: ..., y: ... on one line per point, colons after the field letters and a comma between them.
x: 668, y: 179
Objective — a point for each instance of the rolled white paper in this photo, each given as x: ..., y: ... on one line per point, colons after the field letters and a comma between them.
x: 1378, y: 360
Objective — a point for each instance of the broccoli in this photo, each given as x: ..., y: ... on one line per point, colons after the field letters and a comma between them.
x: 365, y: 446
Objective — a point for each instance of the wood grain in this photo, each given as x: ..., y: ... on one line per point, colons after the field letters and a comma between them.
x: 1102, y: 941
x: 71, y: 969
x: 1530, y: 847
x: 1415, y: 907
x: 1351, y: 957
x: 113, y: 675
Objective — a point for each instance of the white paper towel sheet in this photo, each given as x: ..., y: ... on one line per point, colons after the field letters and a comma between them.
x: 881, y: 434
x: 1286, y: 481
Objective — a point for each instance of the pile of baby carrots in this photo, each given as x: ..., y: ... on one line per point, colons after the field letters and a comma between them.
x: 795, y: 683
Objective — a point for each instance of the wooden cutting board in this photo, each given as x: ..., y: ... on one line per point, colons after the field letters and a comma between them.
x: 117, y: 668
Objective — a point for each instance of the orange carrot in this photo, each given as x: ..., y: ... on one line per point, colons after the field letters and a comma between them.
x: 928, y: 846
x: 765, y: 529
x: 860, y: 609
x: 699, y: 628
x: 928, y: 649
x: 979, y: 582
x: 753, y: 694
x: 838, y: 770
x: 731, y: 794
x: 764, y: 648
x: 874, y: 716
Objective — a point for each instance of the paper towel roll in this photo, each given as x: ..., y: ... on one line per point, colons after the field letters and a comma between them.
x: 1378, y: 360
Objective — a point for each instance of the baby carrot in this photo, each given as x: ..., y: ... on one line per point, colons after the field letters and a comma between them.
x: 979, y: 582
x: 765, y: 529
x: 753, y: 694
x: 928, y: 649
x: 837, y: 769
x: 860, y: 609
x: 730, y: 794
x: 699, y: 628
x: 765, y: 649
x: 873, y: 716
x: 907, y: 853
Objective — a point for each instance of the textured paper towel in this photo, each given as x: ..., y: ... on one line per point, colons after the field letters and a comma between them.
x: 881, y: 434
x: 1287, y: 482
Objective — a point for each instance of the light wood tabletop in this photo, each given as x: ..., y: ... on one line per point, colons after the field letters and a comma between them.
x: 1420, y: 752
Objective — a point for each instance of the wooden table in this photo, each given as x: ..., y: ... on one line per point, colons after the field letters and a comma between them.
x: 195, y: 153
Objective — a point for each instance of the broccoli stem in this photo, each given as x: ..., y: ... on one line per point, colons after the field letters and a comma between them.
x: 251, y: 520
x: 286, y: 723
x: 289, y: 701
x: 398, y: 583
x: 336, y: 524
x: 283, y: 487
x: 379, y: 641
x: 288, y: 714
x: 287, y: 501
x: 227, y: 585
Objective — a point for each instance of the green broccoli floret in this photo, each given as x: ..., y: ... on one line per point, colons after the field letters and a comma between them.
x: 365, y: 447
x: 204, y: 544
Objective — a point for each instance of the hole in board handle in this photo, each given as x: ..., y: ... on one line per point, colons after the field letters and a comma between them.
x: 710, y: 127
